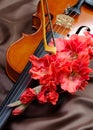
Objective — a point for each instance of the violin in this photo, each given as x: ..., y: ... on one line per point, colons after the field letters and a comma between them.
x: 18, y: 53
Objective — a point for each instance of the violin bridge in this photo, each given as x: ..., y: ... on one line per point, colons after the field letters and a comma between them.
x: 64, y: 20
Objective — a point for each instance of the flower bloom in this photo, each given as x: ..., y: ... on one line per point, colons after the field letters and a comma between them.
x: 48, y: 94
x: 90, y: 43
x: 17, y: 111
x: 27, y: 96
x: 78, y: 76
x: 68, y: 68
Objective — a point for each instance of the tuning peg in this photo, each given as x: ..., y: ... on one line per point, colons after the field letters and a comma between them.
x: 66, y: 11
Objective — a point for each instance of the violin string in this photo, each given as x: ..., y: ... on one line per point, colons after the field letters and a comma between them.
x: 60, y: 27
x: 64, y: 28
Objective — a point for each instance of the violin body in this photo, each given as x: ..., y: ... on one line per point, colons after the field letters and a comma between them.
x: 18, y: 53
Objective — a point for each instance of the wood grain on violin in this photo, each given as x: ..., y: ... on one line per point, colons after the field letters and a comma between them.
x: 18, y: 53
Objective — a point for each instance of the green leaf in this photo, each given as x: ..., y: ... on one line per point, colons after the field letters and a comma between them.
x: 16, y: 103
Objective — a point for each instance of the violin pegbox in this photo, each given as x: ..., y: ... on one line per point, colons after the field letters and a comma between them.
x: 75, y: 9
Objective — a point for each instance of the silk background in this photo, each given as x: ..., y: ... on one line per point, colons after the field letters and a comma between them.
x: 74, y: 112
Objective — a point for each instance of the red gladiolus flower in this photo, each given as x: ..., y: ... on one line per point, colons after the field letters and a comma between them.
x: 89, y: 43
x: 78, y: 76
x: 41, y: 65
x: 28, y: 96
x: 75, y: 43
x: 17, y: 111
x: 48, y: 94
x: 68, y: 68
x: 90, y: 50
x: 60, y: 44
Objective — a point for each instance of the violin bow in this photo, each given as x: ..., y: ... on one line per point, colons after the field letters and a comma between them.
x: 50, y: 49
